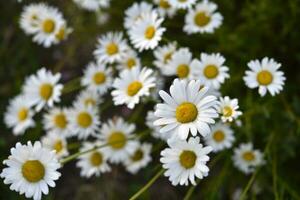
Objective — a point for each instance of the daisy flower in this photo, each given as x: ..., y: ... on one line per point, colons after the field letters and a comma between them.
x: 203, y: 18
x: 43, y: 89
x: 97, y: 77
x: 228, y: 109
x: 19, y: 115
x: 182, y: 4
x: 147, y: 32
x: 132, y: 85
x: 111, y: 48
x: 57, y: 142
x: 94, y: 162
x: 88, y: 98
x: 211, y: 69
x: 187, y: 109
x: 265, y: 76
x: 56, y: 120
x: 30, y: 17
x: 185, y: 160
x: 180, y: 64
x: 139, y: 158
x: 134, y: 13
x: 129, y: 61
x: 84, y: 121
x: 31, y: 169
x: 150, y: 118
x: 163, y: 56
x: 92, y: 5
x: 164, y: 8
x: 246, y: 158
x: 221, y: 137
x: 117, y: 134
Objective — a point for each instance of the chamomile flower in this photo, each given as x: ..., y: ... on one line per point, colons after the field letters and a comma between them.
x: 228, y: 109
x: 92, y: 5
x: 182, y: 4
x: 150, y: 118
x: 132, y: 85
x: 92, y: 163
x: 30, y: 17
x: 164, y: 8
x: 134, y: 13
x: 19, y: 115
x: 139, y: 158
x: 185, y: 160
x: 88, y: 98
x: 203, y: 18
x: 84, y: 120
x: 246, y: 158
x: 163, y: 56
x: 211, y: 69
x: 57, y: 142
x: 129, y: 61
x: 111, y: 48
x: 43, y: 89
x: 265, y: 76
x: 187, y: 109
x: 116, y: 132
x: 147, y: 31
x: 97, y: 77
x: 56, y: 120
x: 180, y: 64
x: 221, y: 137
x: 31, y: 169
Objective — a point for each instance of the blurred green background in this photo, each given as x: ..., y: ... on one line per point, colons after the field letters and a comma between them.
x: 251, y: 29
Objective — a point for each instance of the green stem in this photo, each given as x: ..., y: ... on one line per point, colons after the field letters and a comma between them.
x: 250, y: 182
x: 191, y: 191
x: 147, y: 186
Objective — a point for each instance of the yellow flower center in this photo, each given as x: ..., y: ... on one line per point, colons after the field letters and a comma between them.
x: 46, y: 91
x: 58, y: 146
x: 167, y: 57
x: 23, y: 114
x: 138, y: 155
x: 201, y: 19
x: 89, y: 101
x: 117, y: 140
x: 264, y: 77
x: 211, y: 71
x: 99, y: 78
x: 33, y: 171
x: 227, y: 111
x: 219, y: 136
x: 248, y: 156
x: 112, y: 49
x: 60, y: 35
x: 133, y: 88
x: 96, y: 159
x: 48, y: 26
x: 60, y: 120
x: 183, y: 71
x: 187, y: 159
x: 164, y: 4
x: 186, y: 112
x: 131, y: 63
x: 84, y: 119
x: 150, y: 32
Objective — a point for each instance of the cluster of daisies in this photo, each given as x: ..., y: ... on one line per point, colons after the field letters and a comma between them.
x: 191, y: 115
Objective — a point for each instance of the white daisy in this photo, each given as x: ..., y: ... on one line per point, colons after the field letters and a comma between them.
x: 30, y: 17
x: 164, y: 8
x: 129, y: 61
x: 150, y: 118
x: 211, y: 69
x: 94, y: 162
x: 221, y: 137
x: 132, y: 85
x: 19, y: 115
x: 42, y: 88
x: 134, y: 13
x: 88, y: 98
x: 265, y: 76
x: 97, y: 77
x: 228, y: 109
x: 147, y: 31
x: 56, y: 120
x: 203, y: 18
x: 246, y: 159
x: 57, y: 142
x: 111, y: 48
x: 163, y: 56
x: 187, y: 109
x: 117, y: 134
x: 84, y: 121
x: 92, y: 5
x: 139, y: 158
x: 185, y: 160
x: 182, y: 4
x: 31, y: 169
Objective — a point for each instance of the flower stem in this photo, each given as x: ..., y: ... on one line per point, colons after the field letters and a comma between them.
x: 146, y: 187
